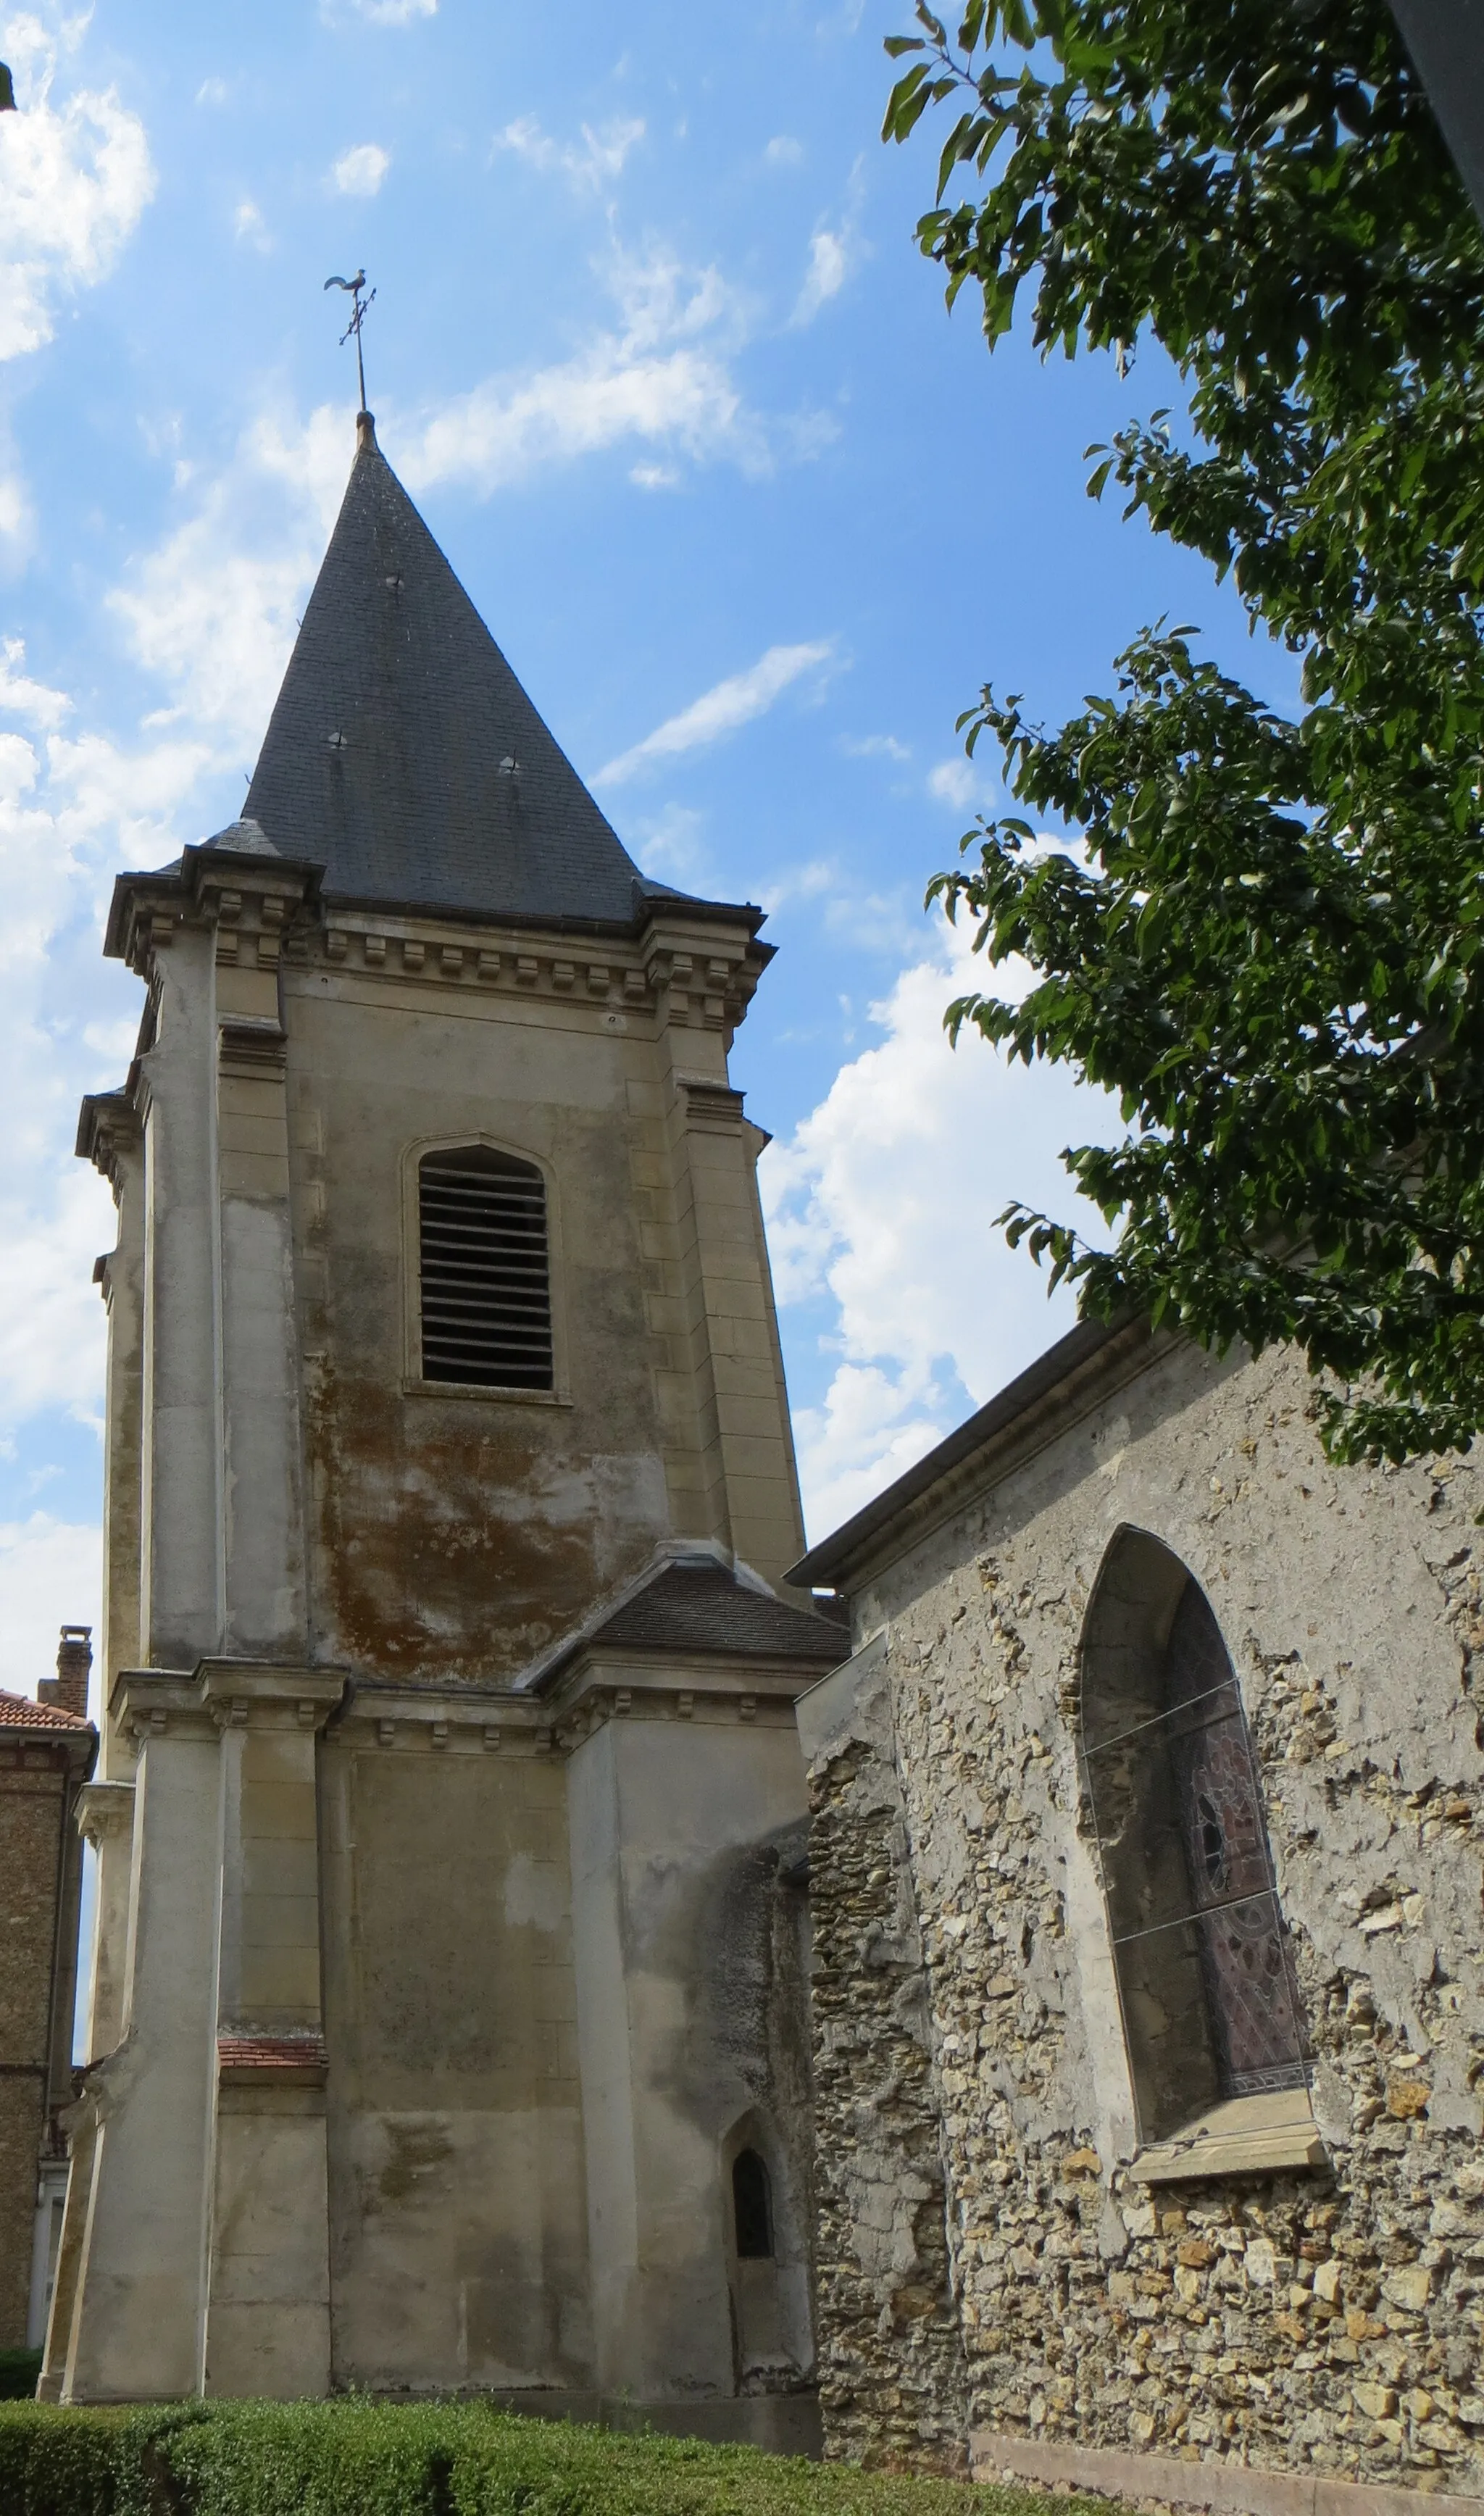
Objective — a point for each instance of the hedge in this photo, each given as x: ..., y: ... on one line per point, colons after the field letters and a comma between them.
x: 367, y: 2459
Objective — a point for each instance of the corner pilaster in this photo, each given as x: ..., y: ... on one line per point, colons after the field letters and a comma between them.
x: 197, y: 2249
x: 267, y: 2329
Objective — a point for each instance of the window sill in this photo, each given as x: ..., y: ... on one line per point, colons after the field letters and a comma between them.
x: 413, y: 1387
x: 1246, y: 2136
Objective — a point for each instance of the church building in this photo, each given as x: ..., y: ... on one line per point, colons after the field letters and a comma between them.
x: 543, y: 1949
x: 448, y: 2014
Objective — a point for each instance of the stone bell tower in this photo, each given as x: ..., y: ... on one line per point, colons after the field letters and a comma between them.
x: 449, y: 1484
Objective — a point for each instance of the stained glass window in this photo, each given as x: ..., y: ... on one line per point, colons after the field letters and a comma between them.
x: 1206, y: 1979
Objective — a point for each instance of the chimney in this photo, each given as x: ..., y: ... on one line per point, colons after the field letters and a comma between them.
x: 68, y: 1691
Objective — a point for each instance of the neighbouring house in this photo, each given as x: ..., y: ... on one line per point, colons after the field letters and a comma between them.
x: 448, y: 2014
x: 1149, y: 2019
x: 46, y: 1755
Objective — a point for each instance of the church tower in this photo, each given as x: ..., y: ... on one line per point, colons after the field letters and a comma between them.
x: 447, y: 2012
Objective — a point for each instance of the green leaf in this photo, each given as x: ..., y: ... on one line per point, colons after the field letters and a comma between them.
x: 1271, y: 911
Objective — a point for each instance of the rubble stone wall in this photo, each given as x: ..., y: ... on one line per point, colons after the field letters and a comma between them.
x: 890, y: 2357
x: 1328, y: 2321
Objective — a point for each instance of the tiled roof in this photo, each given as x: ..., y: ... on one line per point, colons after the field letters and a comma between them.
x: 271, y: 2052
x: 403, y: 754
x: 19, y: 1712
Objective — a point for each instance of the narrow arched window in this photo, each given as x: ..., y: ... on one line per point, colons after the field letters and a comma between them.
x: 751, y: 2207
x: 1205, y: 1972
x: 484, y: 1270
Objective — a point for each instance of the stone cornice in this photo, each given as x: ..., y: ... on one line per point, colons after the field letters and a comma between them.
x: 466, y: 1720
x: 211, y: 888
x: 224, y: 1694
x: 684, y: 964
x: 722, y: 1688
x: 105, y: 1812
x: 108, y: 1131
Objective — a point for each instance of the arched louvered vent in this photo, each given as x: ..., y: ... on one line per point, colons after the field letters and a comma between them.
x: 485, y: 1273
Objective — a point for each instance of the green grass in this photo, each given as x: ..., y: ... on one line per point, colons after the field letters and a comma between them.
x: 369, y: 2459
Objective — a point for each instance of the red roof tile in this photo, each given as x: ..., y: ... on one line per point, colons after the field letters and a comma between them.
x: 19, y: 1712
x: 271, y: 2052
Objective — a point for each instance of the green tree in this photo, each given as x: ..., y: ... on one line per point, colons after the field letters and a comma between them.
x: 1270, y: 948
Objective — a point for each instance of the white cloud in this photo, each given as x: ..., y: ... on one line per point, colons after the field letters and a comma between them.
x: 249, y: 227
x: 23, y: 698
x: 873, y: 747
x: 654, y: 476
x: 74, y: 179
x: 212, y: 91
x: 810, y: 881
x: 361, y: 171
x: 14, y: 510
x: 884, y: 1200
x: 661, y: 377
x: 828, y: 269
x: 210, y: 615
x: 784, y: 152
x: 50, y: 1571
x: 598, y: 161
x: 731, y: 703
x: 212, y: 611
x: 953, y: 781
x: 671, y: 845
x: 393, y: 13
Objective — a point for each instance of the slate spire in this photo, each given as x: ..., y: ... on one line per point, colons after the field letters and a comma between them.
x: 403, y: 754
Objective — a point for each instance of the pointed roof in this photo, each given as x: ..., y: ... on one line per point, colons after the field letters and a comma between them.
x: 403, y: 754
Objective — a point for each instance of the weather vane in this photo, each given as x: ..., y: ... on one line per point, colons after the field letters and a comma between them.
x: 353, y: 290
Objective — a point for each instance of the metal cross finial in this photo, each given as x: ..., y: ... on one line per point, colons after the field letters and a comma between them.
x: 353, y: 290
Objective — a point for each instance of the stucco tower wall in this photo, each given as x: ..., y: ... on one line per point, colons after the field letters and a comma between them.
x: 679, y: 1828
x: 459, y: 2233
x: 427, y: 1502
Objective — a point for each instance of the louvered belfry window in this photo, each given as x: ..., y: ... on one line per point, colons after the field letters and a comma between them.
x: 485, y: 1270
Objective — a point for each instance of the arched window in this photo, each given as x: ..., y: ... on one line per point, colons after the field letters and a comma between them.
x: 484, y: 1270
x: 1205, y: 1973
x: 751, y: 2207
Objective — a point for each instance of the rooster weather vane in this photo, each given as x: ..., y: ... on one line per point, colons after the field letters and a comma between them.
x: 353, y: 290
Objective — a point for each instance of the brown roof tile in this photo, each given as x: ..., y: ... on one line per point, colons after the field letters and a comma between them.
x: 19, y: 1712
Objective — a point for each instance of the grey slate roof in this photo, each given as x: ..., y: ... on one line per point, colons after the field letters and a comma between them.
x: 698, y: 1605
x: 403, y: 754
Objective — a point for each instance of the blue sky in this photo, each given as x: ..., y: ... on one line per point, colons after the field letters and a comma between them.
x: 751, y: 516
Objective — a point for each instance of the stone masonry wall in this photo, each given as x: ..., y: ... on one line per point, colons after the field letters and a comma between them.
x: 1330, y: 2321
x: 890, y: 2358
